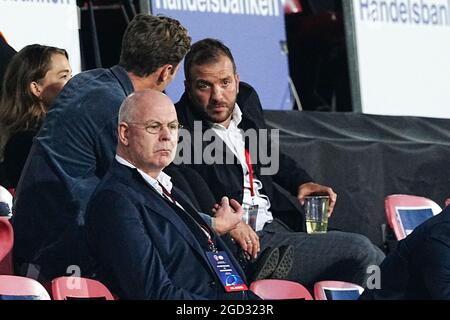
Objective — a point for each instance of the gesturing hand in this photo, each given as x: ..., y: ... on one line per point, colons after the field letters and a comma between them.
x: 227, y: 215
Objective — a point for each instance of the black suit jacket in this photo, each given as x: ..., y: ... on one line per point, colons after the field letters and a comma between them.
x: 144, y: 247
x: 419, y: 268
x: 227, y: 179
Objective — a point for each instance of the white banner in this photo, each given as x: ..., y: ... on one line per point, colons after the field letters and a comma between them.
x: 47, y: 22
x: 403, y: 52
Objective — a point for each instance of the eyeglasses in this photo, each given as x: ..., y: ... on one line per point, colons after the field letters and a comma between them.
x: 155, y: 127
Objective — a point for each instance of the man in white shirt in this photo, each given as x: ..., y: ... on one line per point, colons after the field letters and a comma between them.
x: 216, y: 100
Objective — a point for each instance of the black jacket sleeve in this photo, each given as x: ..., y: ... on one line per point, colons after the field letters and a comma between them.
x: 289, y: 174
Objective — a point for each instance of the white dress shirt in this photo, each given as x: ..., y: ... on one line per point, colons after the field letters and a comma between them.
x: 234, y: 140
x: 162, y: 178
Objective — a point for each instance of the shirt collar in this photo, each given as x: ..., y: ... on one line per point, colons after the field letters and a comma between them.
x: 236, y: 118
x: 162, y: 178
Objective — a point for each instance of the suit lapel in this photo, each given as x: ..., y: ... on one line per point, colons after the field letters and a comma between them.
x: 161, y: 207
x: 155, y: 203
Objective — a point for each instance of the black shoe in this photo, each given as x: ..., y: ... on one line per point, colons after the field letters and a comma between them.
x: 286, y: 260
x: 265, y: 264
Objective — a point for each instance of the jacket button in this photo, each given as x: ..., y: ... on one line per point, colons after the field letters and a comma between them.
x: 212, y: 284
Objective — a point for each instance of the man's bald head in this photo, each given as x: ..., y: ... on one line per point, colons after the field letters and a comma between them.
x: 141, y: 101
x: 148, y: 131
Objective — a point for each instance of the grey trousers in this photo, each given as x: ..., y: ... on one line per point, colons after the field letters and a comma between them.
x: 334, y: 255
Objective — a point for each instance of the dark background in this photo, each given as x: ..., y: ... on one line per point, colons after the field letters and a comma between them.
x: 364, y: 158
x: 315, y: 37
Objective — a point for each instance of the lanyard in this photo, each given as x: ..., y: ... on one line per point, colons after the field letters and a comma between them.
x: 248, y: 162
x: 206, y: 231
x: 211, y: 244
x: 167, y: 193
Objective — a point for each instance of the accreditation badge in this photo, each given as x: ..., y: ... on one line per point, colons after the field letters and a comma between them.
x: 250, y: 215
x: 229, y: 277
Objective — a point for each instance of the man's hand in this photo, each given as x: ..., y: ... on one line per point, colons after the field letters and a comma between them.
x: 309, y: 188
x: 247, y: 239
x: 227, y: 215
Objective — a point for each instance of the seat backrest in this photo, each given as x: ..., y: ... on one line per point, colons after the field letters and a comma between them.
x: 274, y: 289
x: 6, y: 245
x: 6, y: 237
x: 405, y: 212
x: 21, y: 288
x: 6, y: 201
x: 77, y: 288
x: 336, y: 290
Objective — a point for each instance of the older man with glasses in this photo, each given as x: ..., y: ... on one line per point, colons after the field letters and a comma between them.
x: 147, y: 239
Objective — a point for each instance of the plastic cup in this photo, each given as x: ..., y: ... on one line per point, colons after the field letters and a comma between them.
x: 316, y: 213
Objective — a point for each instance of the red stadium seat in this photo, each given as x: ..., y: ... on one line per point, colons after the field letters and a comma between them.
x: 336, y: 290
x: 405, y: 212
x: 274, y: 289
x: 6, y: 245
x: 76, y: 288
x: 21, y: 288
x: 6, y: 202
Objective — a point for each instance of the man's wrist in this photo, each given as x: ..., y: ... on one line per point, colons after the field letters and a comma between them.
x: 216, y: 227
x: 213, y: 223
